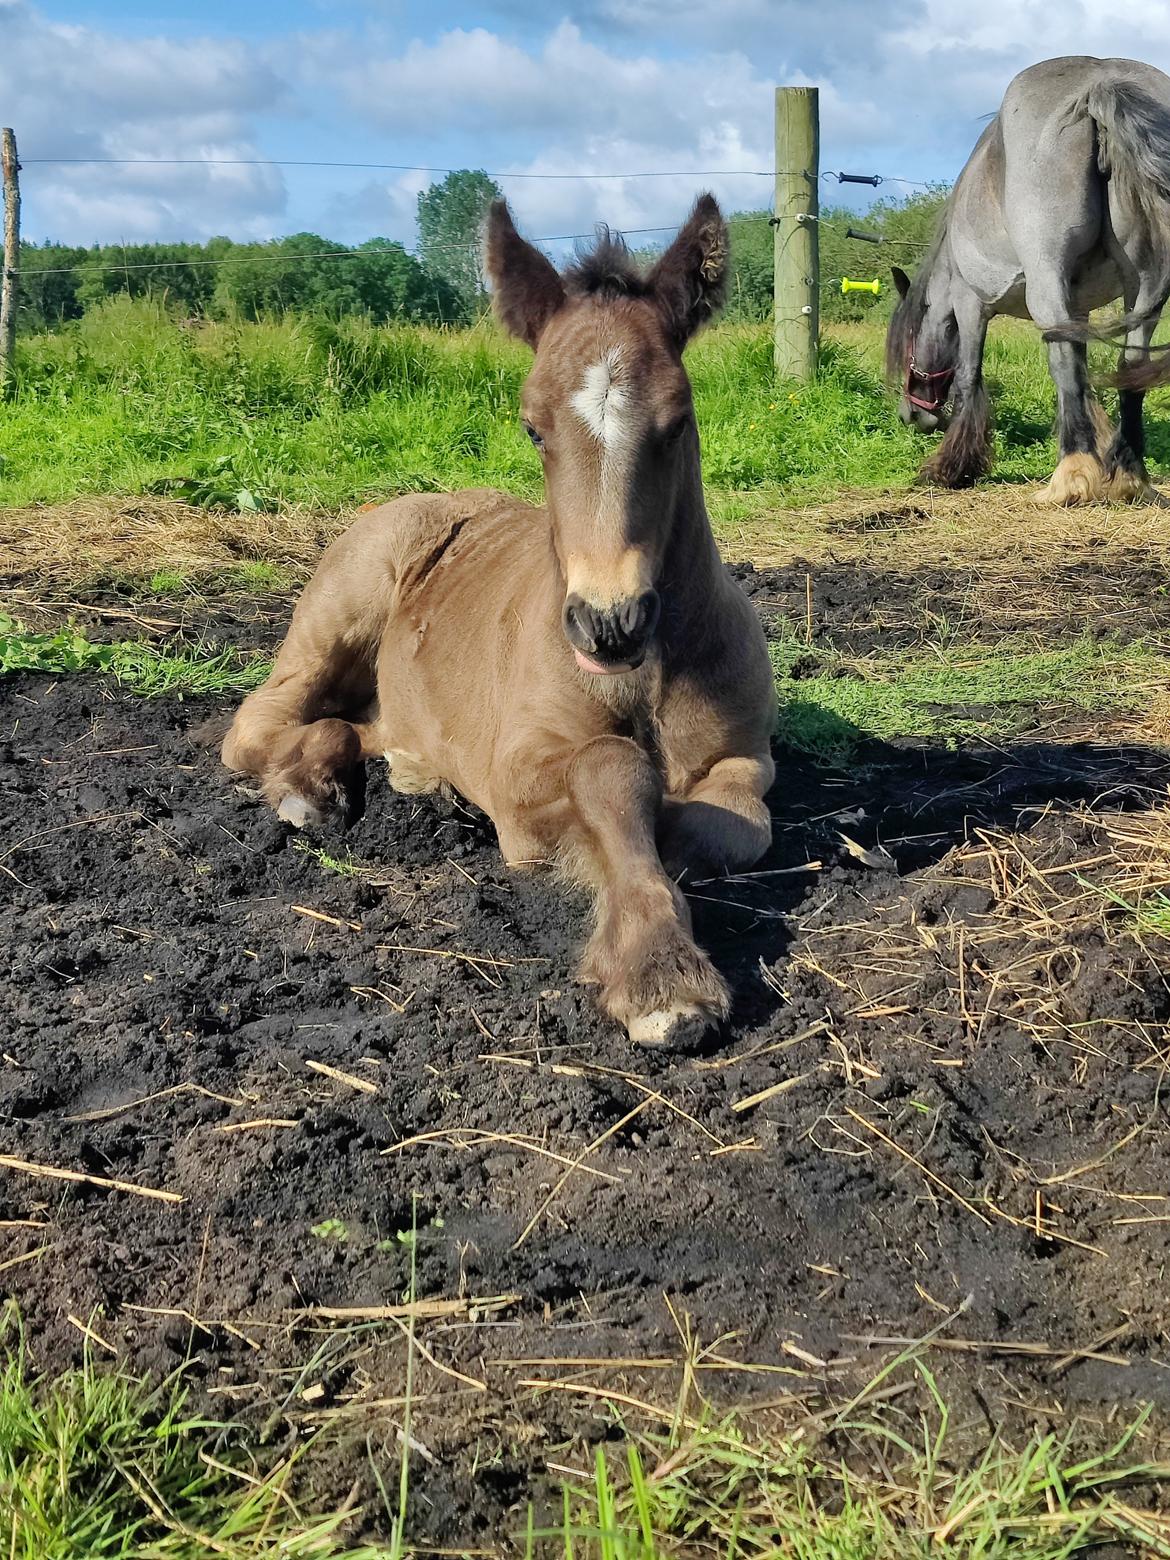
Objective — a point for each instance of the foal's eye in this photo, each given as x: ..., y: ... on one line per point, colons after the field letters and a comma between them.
x: 534, y: 436
x: 675, y: 431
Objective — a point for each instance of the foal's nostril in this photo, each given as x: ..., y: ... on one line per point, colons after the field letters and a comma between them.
x: 615, y: 634
x: 637, y: 617
x: 582, y: 624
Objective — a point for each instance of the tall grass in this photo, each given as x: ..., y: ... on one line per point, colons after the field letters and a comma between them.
x: 308, y: 412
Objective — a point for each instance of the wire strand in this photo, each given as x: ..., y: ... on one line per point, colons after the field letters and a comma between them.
x: 296, y: 162
x: 277, y: 162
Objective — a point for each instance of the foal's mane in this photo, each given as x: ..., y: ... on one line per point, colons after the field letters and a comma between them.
x: 907, y: 318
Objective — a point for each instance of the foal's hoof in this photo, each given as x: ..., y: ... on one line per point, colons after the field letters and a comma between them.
x: 299, y: 811
x: 672, y: 1029
x: 332, y: 807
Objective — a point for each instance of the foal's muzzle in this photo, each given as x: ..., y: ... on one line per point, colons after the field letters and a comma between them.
x: 611, y: 639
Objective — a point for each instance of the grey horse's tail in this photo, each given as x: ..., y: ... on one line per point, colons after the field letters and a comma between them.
x: 1133, y: 140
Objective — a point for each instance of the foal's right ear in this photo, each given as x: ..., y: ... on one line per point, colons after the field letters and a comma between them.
x: 901, y: 280
x: 526, y: 289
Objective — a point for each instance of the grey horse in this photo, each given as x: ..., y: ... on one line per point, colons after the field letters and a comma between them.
x: 1063, y: 206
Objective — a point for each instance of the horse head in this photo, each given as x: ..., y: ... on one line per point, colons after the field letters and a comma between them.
x: 608, y: 407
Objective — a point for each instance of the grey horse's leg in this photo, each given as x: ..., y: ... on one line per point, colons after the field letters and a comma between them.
x: 964, y: 456
x: 1079, y: 477
x: 1125, y: 463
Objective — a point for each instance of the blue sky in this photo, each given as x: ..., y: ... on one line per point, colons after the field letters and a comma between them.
x: 580, y: 86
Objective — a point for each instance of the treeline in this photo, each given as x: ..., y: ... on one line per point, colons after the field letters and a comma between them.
x: 219, y: 279
x: 304, y: 275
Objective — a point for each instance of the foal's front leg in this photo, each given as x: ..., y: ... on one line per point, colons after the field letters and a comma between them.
x: 721, y: 824
x: 651, y: 975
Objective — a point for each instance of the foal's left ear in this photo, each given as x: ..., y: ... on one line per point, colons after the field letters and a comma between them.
x: 690, y: 280
x: 526, y: 289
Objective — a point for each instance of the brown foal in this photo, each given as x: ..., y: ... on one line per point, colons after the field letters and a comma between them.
x: 586, y: 672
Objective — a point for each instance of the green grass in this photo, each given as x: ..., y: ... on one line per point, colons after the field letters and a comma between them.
x: 303, y: 412
x: 970, y: 691
x: 140, y: 668
x: 721, y: 1495
x: 97, y: 1466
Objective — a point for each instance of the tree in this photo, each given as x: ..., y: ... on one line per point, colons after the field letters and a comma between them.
x: 394, y: 286
x: 48, y: 284
x: 146, y: 271
x: 288, y: 275
x: 450, y: 226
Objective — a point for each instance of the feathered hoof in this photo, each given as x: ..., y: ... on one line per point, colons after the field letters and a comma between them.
x: 1133, y: 487
x: 1079, y: 479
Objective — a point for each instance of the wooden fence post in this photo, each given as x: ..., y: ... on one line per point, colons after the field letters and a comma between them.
x: 10, y: 279
x: 797, y: 246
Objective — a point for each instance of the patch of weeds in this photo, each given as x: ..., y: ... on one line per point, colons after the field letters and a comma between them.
x: 153, y: 674
x: 170, y: 582
x: 1150, y: 914
x: 410, y: 1238
x: 105, y: 1467
x: 217, y: 486
x: 62, y: 650
x: 257, y: 575
x: 330, y: 1229
x: 141, y: 668
x: 716, y: 1492
x: 342, y: 866
x: 182, y: 582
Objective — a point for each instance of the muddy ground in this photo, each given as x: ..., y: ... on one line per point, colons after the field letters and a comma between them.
x: 940, y: 1088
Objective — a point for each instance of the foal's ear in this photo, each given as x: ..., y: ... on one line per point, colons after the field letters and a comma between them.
x: 526, y: 290
x: 901, y: 280
x: 690, y: 280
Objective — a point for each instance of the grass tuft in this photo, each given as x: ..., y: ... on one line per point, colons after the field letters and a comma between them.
x: 717, y: 1493
x: 141, y: 668
x: 958, y: 692
x: 96, y: 1466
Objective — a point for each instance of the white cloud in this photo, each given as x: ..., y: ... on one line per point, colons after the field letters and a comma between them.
x: 76, y: 92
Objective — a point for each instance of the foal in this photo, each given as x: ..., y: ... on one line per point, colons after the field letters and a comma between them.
x: 587, y: 672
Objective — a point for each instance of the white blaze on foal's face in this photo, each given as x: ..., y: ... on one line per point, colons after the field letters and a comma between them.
x: 602, y: 401
x: 606, y: 406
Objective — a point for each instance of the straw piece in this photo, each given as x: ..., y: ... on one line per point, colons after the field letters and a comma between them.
x: 330, y: 920
x: 421, y: 1310
x: 341, y: 1077
x: 8, y: 1162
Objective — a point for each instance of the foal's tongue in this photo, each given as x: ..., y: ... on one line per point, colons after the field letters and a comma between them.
x: 588, y: 665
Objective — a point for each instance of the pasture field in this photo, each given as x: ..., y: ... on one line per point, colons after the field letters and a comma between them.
x: 317, y: 1137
